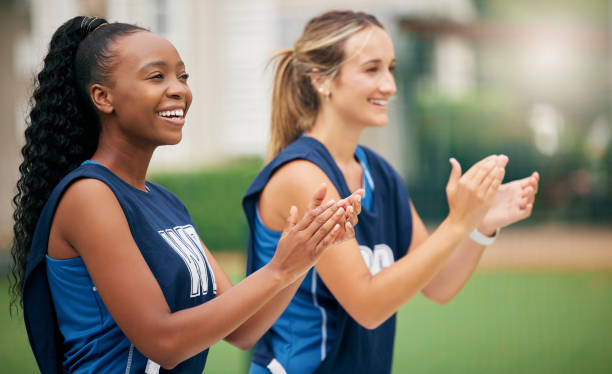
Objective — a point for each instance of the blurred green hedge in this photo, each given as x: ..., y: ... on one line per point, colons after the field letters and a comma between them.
x: 214, y: 199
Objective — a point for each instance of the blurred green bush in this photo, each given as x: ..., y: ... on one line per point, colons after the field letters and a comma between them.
x: 213, y: 197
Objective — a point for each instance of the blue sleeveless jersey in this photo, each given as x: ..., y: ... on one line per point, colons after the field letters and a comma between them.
x: 164, y: 232
x: 383, y: 233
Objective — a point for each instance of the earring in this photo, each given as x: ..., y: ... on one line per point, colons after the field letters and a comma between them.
x: 327, y: 94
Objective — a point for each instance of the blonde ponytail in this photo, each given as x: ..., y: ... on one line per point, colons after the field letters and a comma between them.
x: 288, y: 119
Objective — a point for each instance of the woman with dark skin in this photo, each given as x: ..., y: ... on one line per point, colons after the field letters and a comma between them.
x: 109, y: 95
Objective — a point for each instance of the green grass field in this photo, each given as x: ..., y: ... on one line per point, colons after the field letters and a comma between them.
x: 512, y: 322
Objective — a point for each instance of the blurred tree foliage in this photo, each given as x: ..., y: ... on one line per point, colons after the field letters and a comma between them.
x: 594, y: 11
x: 495, y: 114
x: 574, y: 186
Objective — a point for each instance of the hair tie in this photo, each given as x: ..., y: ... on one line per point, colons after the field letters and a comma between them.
x: 91, y: 24
x: 293, y: 57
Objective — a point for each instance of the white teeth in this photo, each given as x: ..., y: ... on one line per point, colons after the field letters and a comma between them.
x: 379, y: 102
x: 172, y: 113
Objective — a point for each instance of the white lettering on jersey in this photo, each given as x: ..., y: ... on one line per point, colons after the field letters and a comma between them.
x: 186, y: 243
x: 376, y: 260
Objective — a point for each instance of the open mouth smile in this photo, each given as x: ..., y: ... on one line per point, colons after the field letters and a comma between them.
x: 378, y: 103
x: 176, y: 116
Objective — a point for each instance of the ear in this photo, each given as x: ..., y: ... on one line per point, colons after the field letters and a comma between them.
x: 101, y: 97
x: 320, y: 82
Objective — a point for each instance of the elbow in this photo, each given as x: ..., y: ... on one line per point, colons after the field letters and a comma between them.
x: 370, y: 314
x: 441, y: 301
x: 245, y: 347
x: 162, y: 355
x: 370, y: 325
x: 437, y: 298
x: 166, y: 351
x: 369, y: 321
x: 242, y: 344
x: 165, y: 354
x: 168, y: 365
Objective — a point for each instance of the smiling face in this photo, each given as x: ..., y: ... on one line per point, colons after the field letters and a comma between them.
x: 148, y: 89
x: 360, y: 92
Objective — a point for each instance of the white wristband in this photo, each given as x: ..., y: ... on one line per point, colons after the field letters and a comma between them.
x: 482, y: 239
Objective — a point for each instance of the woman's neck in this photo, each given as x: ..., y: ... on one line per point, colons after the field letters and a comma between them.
x: 127, y: 161
x: 338, y: 136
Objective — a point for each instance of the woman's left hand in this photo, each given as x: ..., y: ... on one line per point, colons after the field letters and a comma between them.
x: 513, y: 202
x: 352, y: 207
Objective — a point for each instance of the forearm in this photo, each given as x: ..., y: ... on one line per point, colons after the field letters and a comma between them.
x: 245, y: 336
x: 513, y: 202
x: 469, y: 196
x: 392, y: 287
x: 183, y: 334
x: 455, y: 273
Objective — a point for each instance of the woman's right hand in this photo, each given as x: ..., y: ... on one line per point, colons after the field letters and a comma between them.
x: 324, y: 225
x: 470, y: 195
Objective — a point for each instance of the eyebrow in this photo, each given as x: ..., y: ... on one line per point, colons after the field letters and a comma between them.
x: 376, y: 60
x: 158, y: 63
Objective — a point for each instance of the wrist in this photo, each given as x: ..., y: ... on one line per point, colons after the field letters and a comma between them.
x: 276, y: 273
x: 456, y: 228
x: 487, y: 230
x: 483, y: 239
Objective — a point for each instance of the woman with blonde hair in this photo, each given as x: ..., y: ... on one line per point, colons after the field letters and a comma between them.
x: 333, y: 84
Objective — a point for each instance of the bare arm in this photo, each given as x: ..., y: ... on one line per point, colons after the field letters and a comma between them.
x: 371, y: 299
x: 512, y: 202
x: 245, y: 336
x: 119, y: 272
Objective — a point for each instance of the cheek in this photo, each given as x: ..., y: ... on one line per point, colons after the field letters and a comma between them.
x: 129, y: 99
x: 358, y: 88
x: 188, y: 98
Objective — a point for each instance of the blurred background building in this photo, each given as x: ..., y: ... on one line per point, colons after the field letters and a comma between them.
x: 226, y: 46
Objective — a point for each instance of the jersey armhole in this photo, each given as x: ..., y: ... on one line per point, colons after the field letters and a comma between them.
x: 279, y: 211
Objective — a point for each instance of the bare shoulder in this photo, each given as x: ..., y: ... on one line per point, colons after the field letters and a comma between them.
x: 292, y: 184
x: 88, y: 207
x: 296, y: 174
x: 85, y: 196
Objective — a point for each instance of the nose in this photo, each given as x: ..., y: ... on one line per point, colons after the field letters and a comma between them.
x: 177, y: 89
x: 387, y: 83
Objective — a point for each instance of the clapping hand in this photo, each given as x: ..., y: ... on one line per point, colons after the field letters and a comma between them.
x: 324, y: 225
x: 513, y: 202
x: 470, y: 195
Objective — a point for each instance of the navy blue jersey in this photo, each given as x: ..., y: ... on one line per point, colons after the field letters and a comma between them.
x: 164, y: 232
x: 384, y: 233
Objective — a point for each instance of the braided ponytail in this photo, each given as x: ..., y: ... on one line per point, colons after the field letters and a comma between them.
x: 62, y: 128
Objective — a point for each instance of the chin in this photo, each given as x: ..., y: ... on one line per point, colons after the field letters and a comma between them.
x: 175, y: 137
x: 378, y: 122
x: 171, y: 140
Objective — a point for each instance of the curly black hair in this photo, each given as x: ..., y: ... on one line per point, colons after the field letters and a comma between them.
x: 63, y: 127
